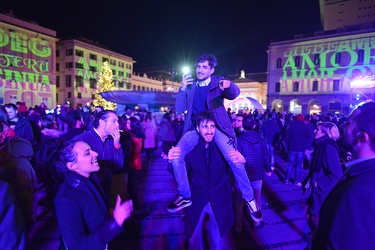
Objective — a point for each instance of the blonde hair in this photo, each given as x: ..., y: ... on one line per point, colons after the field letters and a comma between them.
x: 330, y: 129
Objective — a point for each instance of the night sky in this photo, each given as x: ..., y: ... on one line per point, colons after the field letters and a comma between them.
x: 173, y: 33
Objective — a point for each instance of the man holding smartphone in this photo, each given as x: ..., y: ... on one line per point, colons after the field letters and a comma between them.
x: 207, y: 92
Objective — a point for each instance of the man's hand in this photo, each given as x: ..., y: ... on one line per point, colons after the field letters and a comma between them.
x: 236, y: 156
x: 174, y: 153
x: 186, y: 80
x: 116, y: 137
x: 268, y: 173
x: 224, y: 84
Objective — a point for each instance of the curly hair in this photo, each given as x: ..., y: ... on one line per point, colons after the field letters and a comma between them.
x: 212, y: 61
x: 204, y: 116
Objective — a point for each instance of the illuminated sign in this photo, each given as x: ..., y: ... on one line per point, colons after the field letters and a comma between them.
x: 319, y: 62
x: 28, y: 58
x: 21, y: 43
x: 25, y: 67
x: 29, y: 92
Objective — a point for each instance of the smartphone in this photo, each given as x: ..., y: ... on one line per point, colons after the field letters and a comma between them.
x: 189, y: 79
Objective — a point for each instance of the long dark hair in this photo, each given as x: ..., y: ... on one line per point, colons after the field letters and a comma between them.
x: 63, y: 155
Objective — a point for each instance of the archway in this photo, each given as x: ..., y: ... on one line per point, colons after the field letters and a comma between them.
x: 277, y: 105
x: 314, y: 106
x: 295, y: 107
x: 335, y: 106
x: 243, y: 103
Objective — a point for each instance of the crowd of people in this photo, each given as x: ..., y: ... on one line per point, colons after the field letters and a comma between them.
x: 331, y: 148
x: 87, y: 161
x: 61, y: 148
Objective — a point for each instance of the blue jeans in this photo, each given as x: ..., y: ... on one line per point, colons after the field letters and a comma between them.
x: 188, y: 141
x: 239, y: 203
x: 271, y: 149
x: 295, y: 158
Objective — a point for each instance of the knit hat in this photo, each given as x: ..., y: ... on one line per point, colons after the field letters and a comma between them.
x: 300, y: 118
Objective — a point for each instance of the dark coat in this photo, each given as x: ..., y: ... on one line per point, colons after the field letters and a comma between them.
x: 215, y: 103
x: 23, y: 129
x: 82, y: 216
x: 253, y: 147
x: 310, y: 141
x: 325, y: 172
x: 70, y: 134
x: 178, y: 127
x: 270, y: 131
x: 12, y: 229
x: 297, y: 137
x: 16, y: 169
x: 209, y: 183
x: 346, y: 217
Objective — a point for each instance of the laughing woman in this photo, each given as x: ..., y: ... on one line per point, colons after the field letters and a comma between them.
x: 82, y: 216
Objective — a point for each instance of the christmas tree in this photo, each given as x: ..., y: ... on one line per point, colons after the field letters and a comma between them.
x: 105, y: 84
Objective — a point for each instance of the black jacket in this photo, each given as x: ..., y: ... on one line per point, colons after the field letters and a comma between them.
x: 82, y: 215
x: 253, y: 147
x: 23, y: 129
x: 209, y: 182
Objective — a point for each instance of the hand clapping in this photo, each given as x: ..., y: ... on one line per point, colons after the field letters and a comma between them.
x: 122, y: 211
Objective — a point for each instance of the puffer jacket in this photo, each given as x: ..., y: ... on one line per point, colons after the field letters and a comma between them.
x: 16, y: 169
x: 253, y: 147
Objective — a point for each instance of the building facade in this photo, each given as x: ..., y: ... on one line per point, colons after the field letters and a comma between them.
x: 27, y: 62
x: 325, y: 73
x: 78, y: 66
x: 147, y: 83
x: 36, y: 67
x: 337, y: 14
x: 253, y: 92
